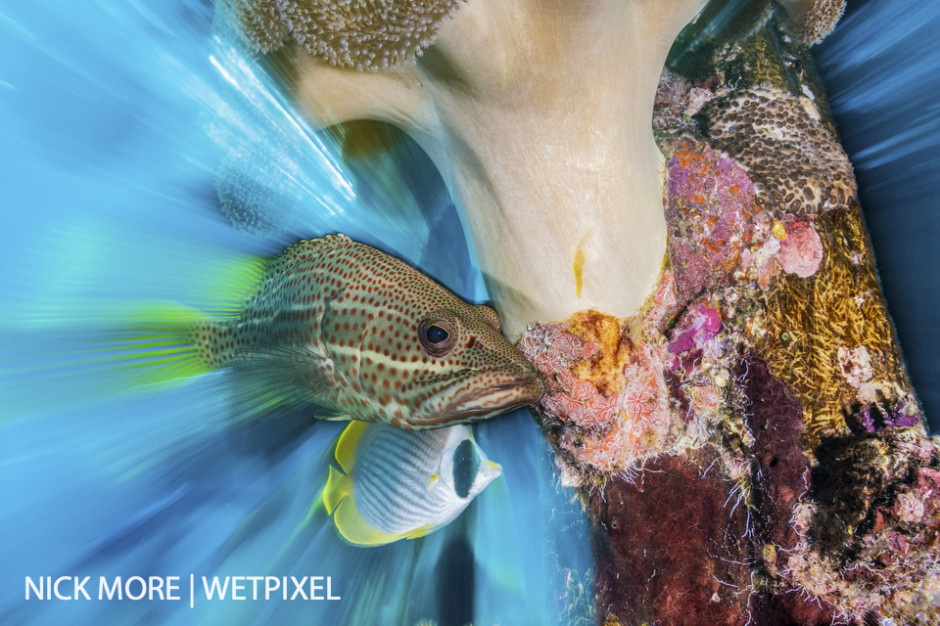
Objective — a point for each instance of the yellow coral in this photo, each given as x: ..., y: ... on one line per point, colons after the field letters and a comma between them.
x: 809, y: 320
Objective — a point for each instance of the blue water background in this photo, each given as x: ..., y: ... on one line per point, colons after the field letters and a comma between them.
x: 118, y: 123
x: 881, y: 68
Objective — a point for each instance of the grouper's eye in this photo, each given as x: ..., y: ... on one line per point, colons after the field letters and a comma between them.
x: 437, y: 337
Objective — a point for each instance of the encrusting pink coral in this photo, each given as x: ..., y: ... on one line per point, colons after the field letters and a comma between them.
x: 659, y: 403
x: 595, y: 429
x: 710, y: 209
x: 716, y: 226
x: 697, y: 327
x: 801, y: 251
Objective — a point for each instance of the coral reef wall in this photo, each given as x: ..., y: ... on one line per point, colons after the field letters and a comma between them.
x: 759, y: 455
x: 756, y: 410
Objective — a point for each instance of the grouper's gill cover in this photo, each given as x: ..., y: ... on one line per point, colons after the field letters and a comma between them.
x: 393, y: 484
x: 365, y: 336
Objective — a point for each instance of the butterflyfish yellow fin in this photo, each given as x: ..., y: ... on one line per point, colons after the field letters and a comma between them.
x: 346, y: 445
x: 356, y: 530
x: 427, y: 529
x: 338, y: 486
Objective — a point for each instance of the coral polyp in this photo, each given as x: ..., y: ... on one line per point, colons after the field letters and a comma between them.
x: 796, y: 164
x: 613, y: 405
x: 355, y: 35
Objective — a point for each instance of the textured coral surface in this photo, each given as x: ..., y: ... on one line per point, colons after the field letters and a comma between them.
x: 641, y: 393
x: 350, y: 33
x: 821, y: 19
x: 748, y: 444
x: 778, y: 138
x: 676, y: 564
x: 870, y: 534
x: 711, y: 212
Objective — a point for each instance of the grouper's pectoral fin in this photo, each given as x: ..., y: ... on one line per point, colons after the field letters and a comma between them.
x: 292, y: 375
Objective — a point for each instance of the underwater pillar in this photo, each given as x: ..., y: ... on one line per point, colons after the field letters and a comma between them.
x: 682, y: 253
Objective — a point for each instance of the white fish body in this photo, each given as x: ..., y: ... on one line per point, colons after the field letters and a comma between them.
x: 398, y: 484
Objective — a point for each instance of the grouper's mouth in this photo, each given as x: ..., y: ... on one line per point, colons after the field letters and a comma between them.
x: 470, y: 399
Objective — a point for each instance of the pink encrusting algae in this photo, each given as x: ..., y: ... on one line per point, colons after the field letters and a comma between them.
x: 801, y: 250
x: 710, y: 211
x: 615, y: 427
x: 696, y: 328
x: 720, y: 234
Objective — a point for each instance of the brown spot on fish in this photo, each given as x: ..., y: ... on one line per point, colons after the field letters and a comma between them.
x: 328, y: 304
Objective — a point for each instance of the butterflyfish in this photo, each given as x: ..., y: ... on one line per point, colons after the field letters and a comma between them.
x: 394, y: 484
x: 361, y: 335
